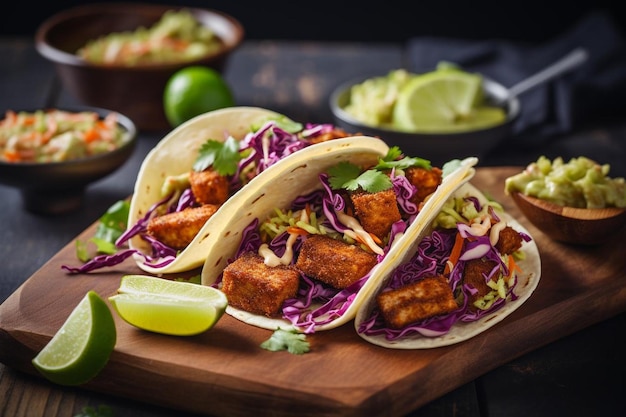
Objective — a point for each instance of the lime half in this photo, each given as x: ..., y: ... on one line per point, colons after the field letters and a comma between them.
x: 169, y: 307
x: 444, y: 101
x: 82, y: 346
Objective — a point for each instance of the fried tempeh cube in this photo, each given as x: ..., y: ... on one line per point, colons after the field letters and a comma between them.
x: 428, y: 297
x: 376, y: 212
x: 509, y: 241
x: 209, y: 187
x: 336, y: 133
x: 178, y: 229
x: 476, y: 273
x: 257, y: 288
x: 334, y: 262
x: 425, y: 180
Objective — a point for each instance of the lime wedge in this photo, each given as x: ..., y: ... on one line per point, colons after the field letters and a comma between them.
x: 169, y: 307
x: 444, y: 101
x: 82, y: 346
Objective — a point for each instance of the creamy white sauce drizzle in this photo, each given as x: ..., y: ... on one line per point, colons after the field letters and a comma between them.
x: 480, y: 227
x: 494, y: 233
x: 271, y: 259
x: 358, y: 233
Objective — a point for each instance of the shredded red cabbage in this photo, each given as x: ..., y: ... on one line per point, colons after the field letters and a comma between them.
x: 404, y: 191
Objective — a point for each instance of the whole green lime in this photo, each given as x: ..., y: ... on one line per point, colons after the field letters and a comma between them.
x: 195, y: 90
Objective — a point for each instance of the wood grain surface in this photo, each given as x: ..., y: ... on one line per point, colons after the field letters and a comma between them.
x: 224, y: 372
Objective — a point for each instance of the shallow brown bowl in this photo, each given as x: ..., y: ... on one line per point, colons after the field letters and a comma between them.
x: 436, y: 147
x: 134, y: 91
x: 59, y: 187
x: 571, y: 225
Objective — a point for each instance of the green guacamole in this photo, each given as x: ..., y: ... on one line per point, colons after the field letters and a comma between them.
x: 581, y: 183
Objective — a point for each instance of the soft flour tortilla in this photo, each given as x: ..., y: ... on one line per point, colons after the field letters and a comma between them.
x: 175, y: 154
x: 528, y: 280
x: 300, y: 176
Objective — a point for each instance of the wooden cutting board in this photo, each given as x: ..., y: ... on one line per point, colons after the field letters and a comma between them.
x: 224, y: 372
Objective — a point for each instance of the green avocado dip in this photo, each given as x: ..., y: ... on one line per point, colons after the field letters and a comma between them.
x: 581, y: 183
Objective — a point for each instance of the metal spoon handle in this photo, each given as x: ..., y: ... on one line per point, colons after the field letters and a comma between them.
x: 567, y: 63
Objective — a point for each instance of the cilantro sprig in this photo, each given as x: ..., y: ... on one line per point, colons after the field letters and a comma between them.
x: 289, y: 340
x: 110, y: 227
x: 222, y: 156
x: 348, y: 176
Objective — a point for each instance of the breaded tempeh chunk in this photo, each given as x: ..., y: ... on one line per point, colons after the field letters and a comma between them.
x: 475, y: 273
x: 336, y: 133
x: 425, y: 180
x: 509, y: 241
x: 178, y: 229
x: 209, y: 187
x: 337, y: 263
x: 257, y: 288
x: 376, y: 211
x: 428, y: 297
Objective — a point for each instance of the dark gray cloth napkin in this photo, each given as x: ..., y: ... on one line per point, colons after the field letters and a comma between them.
x: 594, y: 91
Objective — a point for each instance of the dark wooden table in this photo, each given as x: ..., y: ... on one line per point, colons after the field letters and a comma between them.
x: 582, y: 374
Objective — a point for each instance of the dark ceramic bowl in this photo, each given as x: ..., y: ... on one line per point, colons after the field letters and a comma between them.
x: 134, y: 91
x: 59, y: 187
x: 438, y: 148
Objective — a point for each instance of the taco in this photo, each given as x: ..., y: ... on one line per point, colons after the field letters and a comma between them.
x: 194, y: 177
x: 464, y: 273
x: 305, y: 251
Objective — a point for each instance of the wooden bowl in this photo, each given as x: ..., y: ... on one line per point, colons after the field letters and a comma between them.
x: 569, y: 224
x: 135, y: 91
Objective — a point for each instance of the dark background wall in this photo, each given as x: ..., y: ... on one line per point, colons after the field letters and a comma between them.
x: 378, y: 21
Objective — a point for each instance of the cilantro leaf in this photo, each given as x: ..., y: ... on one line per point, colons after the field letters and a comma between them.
x: 349, y: 177
x: 371, y: 181
x: 404, y: 163
x: 290, y: 340
x: 393, y: 160
x: 222, y: 156
x: 392, y: 154
x: 113, y: 223
x: 342, y: 173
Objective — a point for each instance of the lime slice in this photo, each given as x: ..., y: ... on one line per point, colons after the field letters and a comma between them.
x: 82, y: 346
x: 444, y: 101
x: 169, y: 307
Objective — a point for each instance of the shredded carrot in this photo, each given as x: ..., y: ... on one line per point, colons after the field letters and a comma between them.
x: 359, y: 239
x: 92, y: 135
x: 11, y: 156
x: 455, y: 254
x: 297, y: 230
x: 376, y: 239
x: 513, y: 266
